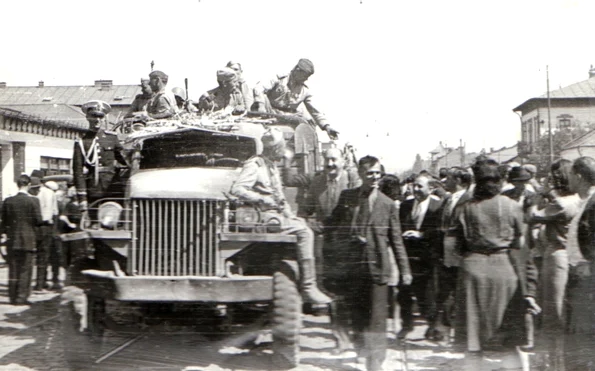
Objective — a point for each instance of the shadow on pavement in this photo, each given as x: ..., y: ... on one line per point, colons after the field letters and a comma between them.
x: 29, y: 333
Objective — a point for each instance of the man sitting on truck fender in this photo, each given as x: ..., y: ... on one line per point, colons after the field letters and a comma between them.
x: 259, y: 184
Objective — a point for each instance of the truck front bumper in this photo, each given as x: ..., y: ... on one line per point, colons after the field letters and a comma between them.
x: 232, y: 289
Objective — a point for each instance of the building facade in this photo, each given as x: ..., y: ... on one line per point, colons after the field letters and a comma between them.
x: 39, y: 124
x: 570, y: 107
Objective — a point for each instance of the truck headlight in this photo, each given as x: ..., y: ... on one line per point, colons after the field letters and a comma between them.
x: 109, y: 214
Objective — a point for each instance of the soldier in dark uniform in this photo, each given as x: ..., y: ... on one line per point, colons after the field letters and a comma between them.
x: 95, y: 157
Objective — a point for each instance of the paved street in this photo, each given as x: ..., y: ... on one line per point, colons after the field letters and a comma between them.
x: 29, y: 340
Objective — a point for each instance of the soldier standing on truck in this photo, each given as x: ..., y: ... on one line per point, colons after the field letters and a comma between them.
x: 284, y: 94
x: 259, y: 184
x: 95, y: 156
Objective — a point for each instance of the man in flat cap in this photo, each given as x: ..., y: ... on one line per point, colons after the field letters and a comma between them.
x: 163, y: 104
x: 227, y: 96
x: 95, y: 157
x: 259, y: 184
x: 141, y: 101
x: 285, y: 93
x: 247, y: 93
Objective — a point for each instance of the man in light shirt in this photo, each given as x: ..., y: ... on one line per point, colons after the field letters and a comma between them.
x: 457, y: 182
x: 163, y: 103
x: 285, y: 93
x: 49, y: 212
x: 420, y: 222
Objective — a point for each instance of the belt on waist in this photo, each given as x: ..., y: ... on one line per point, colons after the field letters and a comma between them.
x: 490, y: 252
x: 102, y: 169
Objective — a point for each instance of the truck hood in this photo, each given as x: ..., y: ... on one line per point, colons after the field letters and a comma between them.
x: 183, y: 183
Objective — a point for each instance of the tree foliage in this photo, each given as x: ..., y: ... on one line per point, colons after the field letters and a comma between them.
x: 560, y: 137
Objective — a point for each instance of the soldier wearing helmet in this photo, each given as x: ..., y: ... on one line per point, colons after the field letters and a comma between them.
x: 95, y: 157
x: 184, y: 105
x: 285, y: 93
x: 259, y: 184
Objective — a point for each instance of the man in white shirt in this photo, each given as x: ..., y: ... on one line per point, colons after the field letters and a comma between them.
x: 420, y: 222
x: 457, y: 182
x: 49, y: 212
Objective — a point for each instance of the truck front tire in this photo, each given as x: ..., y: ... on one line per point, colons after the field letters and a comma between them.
x: 286, y: 315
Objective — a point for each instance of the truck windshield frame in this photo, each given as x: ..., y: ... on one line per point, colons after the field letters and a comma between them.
x: 196, y: 148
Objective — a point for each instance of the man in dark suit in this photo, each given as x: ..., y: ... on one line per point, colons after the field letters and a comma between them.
x: 420, y: 222
x: 369, y: 222
x: 457, y: 183
x: 21, y: 214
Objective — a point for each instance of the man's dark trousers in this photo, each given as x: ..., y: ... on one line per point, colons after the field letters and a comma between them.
x: 44, y: 246
x: 422, y: 288
x: 369, y: 304
x: 20, y: 271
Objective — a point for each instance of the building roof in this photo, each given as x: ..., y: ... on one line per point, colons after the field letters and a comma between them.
x: 69, y: 95
x: 456, y: 157
x: 504, y: 154
x: 580, y: 90
x: 62, y: 114
x: 56, y: 114
x: 583, y: 89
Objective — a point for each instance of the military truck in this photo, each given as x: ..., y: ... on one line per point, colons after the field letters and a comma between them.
x: 177, y: 238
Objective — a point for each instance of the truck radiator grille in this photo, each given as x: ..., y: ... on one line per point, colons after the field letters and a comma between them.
x: 174, y: 238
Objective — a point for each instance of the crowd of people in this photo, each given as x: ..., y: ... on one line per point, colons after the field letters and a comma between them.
x: 31, y: 222
x: 486, y: 253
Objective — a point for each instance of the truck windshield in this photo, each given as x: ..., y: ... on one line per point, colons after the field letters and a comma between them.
x: 196, y: 148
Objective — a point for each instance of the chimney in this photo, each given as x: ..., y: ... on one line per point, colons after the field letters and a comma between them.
x: 103, y: 84
x: 2, y: 85
x: 591, y: 72
x: 40, y: 85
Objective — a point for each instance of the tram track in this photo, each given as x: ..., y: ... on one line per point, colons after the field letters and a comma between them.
x: 33, y: 325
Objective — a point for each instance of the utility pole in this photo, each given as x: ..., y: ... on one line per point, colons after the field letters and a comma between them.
x: 549, y: 116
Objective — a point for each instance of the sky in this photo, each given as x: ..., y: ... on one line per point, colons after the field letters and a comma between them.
x: 395, y: 78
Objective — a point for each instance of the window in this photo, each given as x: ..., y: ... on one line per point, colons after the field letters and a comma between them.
x: 53, y: 165
x: 564, y: 121
x: 18, y: 156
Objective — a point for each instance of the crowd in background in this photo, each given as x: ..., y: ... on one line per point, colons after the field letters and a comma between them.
x: 31, y: 222
x: 498, y: 259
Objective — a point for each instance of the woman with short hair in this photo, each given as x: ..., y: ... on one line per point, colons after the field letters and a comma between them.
x: 496, y: 267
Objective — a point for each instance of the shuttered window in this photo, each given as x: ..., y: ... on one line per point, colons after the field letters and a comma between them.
x: 54, y: 165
